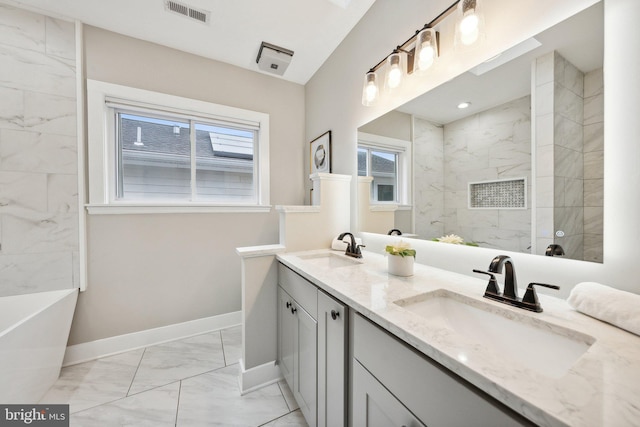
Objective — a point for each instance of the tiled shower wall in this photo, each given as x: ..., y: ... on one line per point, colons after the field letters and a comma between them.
x: 494, y: 144
x: 38, y: 153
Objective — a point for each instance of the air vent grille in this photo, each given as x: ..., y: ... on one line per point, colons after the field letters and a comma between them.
x: 188, y: 11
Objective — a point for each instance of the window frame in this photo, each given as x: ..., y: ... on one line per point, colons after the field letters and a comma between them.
x: 404, y: 164
x: 103, y: 99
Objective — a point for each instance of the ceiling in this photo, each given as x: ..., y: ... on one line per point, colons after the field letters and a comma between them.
x: 579, y: 39
x: 310, y: 28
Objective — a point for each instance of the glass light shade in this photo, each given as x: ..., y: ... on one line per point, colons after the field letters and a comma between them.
x: 469, y: 23
x: 426, y: 50
x: 370, y: 89
x: 395, y: 71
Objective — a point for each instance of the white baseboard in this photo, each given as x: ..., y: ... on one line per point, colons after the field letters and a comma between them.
x: 113, y: 345
x: 258, y: 376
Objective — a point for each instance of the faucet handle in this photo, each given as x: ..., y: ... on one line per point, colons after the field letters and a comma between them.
x: 492, y: 286
x: 531, y: 297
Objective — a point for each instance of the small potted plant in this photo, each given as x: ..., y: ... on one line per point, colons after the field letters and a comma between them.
x: 401, y: 258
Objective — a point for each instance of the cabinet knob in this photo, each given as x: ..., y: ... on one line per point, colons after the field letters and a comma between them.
x: 288, y: 304
x: 335, y: 314
x: 293, y: 310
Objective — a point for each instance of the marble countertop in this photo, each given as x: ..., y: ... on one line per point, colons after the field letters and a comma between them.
x: 602, y: 388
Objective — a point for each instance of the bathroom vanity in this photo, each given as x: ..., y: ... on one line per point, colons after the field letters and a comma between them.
x: 364, y: 348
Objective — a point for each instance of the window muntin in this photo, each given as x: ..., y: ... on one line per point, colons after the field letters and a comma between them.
x: 382, y: 166
x: 166, y: 158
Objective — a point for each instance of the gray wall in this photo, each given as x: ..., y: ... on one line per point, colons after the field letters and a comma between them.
x: 146, y: 271
x: 38, y: 154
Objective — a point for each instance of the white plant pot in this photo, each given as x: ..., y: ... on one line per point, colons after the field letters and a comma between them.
x: 400, y: 266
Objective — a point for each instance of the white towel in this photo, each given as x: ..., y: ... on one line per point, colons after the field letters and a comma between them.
x: 620, y: 308
x: 341, y: 245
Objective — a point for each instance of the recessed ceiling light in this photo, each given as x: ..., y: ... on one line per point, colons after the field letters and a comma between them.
x: 464, y: 105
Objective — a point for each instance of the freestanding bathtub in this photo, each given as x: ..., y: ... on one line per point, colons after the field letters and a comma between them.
x: 34, y: 330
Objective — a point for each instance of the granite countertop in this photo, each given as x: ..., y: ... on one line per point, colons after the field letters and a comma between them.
x: 602, y: 388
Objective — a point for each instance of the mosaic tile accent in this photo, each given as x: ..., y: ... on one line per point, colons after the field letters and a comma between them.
x: 498, y: 194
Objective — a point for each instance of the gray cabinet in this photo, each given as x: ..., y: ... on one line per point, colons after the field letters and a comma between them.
x: 312, y: 349
x: 297, y: 353
x: 375, y: 406
x: 433, y: 394
x: 332, y: 361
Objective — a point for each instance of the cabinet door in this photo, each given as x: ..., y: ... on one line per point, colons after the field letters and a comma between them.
x: 286, y: 335
x: 305, y: 366
x: 374, y: 405
x: 332, y: 361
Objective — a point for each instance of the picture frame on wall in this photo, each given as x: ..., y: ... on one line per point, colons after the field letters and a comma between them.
x: 320, y: 154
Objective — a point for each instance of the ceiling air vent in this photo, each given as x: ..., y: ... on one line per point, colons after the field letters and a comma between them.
x: 188, y: 11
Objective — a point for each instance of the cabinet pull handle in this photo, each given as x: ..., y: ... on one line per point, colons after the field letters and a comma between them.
x: 288, y: 304
x: 293, y: 310
x: 335, y: 314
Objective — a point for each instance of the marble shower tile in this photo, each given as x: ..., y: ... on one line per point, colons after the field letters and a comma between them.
x: 175, y: 360
x: 20, y: 191
x: 515, y: 220
x: 36, y: 232
x: 94, y: 383
x: 20, y: 28
x: 544, y: 69
x: 544, y: 99
x: 38, y: 152
x: 573, y: 192
x: 594, y: 165
x: 545, y: 161
x: 153, y: 408
x: 232, y: 344
x: 51, y: 114
x: 594, y: 109
x: 593, y: 220
x: 544, y: 130
x: 593, y: 192
x: 294, y: 419
x: 594, y: 137
x: 29, y: 273
x: 593, y: 247
x: 11, y: 108
x: 544, y: 220
x: 568, y: 75
x: 61, y: 39
x: 568, y: 104
x: 35, y: 71
x: 545, y: 192
x: 568, y: 163
x: 594, y: 83
x: 62, y: 193
x: 568, y: 134
x: 570, y: 220
x: 213, y: 399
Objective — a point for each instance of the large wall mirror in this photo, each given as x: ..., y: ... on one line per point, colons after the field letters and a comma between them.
x: 519, y: 169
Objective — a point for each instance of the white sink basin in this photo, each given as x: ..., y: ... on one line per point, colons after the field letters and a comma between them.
x: 329, y: 260
x: 512, y: 339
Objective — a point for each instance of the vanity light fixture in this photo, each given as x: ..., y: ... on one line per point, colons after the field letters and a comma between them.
x: 421, y: 50
x: 464, y: 105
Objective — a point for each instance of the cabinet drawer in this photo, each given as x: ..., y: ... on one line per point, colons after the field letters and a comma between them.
x: 304, y: 292
x: 436, y: 396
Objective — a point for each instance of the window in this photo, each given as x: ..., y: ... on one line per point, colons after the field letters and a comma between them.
x: 151, y: 150
x: 387, y: 161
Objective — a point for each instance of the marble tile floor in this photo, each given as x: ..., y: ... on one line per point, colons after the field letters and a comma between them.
x: 190, y: 382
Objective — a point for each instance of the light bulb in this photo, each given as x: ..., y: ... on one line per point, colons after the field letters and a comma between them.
x: 371, y: 92
x: 427, y: 53
x: 395, y: 77
x: 469, y: 28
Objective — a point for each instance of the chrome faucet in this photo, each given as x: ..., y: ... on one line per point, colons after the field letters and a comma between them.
x: 353, y: 249
x: 510, y: 296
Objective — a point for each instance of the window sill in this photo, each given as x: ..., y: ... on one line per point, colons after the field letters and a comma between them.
x: 133, y: 209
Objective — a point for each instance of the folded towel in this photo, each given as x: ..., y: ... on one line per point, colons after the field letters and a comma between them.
x: 341, y: 245
x: 620, y: 308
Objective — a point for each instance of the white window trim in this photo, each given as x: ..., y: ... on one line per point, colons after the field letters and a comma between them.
x: 101, y: 149
x: 367, y: 140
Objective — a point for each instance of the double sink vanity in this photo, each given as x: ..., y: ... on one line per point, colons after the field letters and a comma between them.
x: 361, y: 347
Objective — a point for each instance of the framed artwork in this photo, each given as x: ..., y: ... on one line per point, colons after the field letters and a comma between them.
x: 320, y: 153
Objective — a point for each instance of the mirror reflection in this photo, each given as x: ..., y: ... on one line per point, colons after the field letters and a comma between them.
x: 521, y: 167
